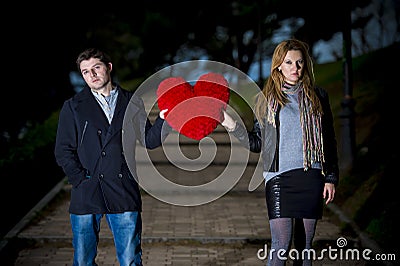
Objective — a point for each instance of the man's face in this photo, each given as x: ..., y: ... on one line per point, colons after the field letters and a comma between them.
x: 96, y: 73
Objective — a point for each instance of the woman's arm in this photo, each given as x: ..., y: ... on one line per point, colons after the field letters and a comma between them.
x: 251, y: 140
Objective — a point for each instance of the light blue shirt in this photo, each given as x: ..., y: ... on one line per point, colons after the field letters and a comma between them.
x: 107, y: 103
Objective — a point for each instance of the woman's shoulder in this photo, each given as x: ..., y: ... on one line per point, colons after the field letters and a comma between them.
x: 321, y: 91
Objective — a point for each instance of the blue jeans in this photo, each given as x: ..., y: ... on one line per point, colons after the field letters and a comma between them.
x: 126, y: 229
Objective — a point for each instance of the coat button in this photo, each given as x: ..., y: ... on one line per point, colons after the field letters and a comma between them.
x: 101, y: 176
x: 120, y: 175
x: 103, y: 153
x: 99, y: 132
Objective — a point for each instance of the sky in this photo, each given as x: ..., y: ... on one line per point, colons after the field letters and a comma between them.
x: 381, y: 31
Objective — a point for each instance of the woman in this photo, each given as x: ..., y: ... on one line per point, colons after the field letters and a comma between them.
x: 294, y: 131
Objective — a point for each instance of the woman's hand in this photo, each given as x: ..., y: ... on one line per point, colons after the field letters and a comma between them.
x: 329, y: 192
x: 228, y: 122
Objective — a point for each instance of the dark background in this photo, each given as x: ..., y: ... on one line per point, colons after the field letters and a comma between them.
x: 40, y: 44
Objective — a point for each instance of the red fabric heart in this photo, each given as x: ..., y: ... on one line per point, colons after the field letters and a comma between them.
x: 194, y: 111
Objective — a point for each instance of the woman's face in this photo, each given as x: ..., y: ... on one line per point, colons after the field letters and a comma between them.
x: 292, y: 66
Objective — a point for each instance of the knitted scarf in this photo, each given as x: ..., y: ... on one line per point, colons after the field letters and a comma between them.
x: 310, y: 123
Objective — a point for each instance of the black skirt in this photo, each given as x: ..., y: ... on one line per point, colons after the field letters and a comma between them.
x: 295, y: 194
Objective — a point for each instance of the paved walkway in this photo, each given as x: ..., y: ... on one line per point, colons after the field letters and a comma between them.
x: 230, y: 229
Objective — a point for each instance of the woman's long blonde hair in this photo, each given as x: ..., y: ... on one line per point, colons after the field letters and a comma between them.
x: 273, y: 86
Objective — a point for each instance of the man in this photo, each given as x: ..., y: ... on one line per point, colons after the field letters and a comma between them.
x: 89, y: 149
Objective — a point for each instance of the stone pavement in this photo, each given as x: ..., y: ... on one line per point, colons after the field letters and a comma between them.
x: 225, y: 226
x: 229, y: 230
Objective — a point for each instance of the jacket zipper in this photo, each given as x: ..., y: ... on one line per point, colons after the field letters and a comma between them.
x: 84, y: 131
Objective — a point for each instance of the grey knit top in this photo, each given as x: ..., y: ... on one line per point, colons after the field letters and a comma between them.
x: 290, y: 139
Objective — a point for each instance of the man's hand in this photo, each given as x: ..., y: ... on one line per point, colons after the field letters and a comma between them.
x: 162, y: 113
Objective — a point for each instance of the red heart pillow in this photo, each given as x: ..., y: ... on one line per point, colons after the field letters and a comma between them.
x: 194, y: 111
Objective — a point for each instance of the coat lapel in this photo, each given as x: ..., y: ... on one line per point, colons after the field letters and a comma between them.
x: 119, y: 112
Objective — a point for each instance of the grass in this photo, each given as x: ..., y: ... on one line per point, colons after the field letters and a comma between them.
x: 367, y: 192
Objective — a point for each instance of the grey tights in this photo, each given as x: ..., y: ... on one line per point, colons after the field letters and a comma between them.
x: 281, y: 234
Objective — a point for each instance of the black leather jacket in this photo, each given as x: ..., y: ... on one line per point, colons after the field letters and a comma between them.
x: 253, y: 140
